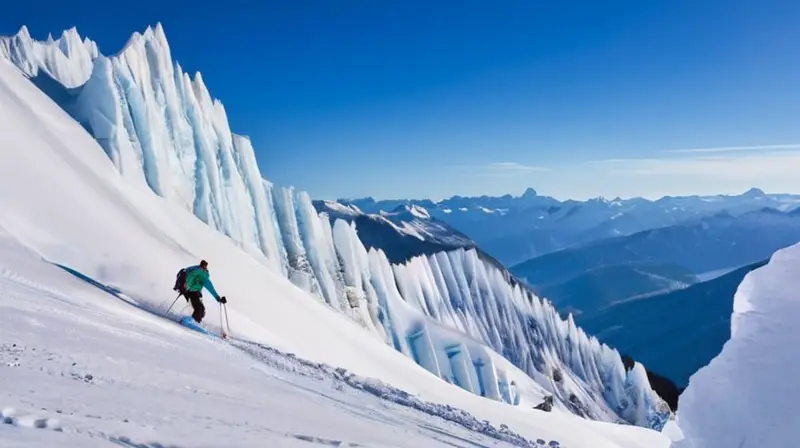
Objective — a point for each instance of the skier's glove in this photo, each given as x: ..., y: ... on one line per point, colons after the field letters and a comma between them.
x: 223, y: 300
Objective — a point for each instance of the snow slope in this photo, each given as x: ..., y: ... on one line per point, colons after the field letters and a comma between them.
x: 68, y: 347
x: 163, y: 133
x: 747, y: 395
x: 64, y: 202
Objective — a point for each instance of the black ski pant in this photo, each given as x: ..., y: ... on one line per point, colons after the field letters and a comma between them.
x: 195, y: 298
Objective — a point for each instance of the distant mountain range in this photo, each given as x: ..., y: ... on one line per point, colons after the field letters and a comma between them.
x: 663, y: 296
x: 674, y: 334
x: 517, y: 228
x: 715, y: 243
x: 590, y: 276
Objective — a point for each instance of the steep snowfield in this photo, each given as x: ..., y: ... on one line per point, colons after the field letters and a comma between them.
x: 79, y: 368
x: 164, y: 134
x: 747, y: 396
x: 62, y: 198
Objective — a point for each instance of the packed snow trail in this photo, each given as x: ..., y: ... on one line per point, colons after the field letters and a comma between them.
x: 61, y: 197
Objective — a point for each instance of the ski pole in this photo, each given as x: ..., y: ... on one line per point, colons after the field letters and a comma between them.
x: 224, y: 307
x: 221, y: 326
x: 173, y: 303
x: 227, y: 323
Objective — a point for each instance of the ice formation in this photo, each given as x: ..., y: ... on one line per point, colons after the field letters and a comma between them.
x: 448, y: 311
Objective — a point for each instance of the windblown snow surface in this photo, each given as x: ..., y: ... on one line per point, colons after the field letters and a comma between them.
x: 747, y: 396
x: 122, y: 209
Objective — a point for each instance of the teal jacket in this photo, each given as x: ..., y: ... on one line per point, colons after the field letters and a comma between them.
x: 197, y: 278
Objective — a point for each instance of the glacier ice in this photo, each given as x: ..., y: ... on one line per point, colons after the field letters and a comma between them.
x: 68, y: 59
x: 161, y: 127
x: 449, y: 311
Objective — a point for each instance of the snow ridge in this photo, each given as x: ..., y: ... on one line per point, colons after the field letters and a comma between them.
x: 68, y: 59
x: 467, y: 294
x: 756, y: 363
x: 454, y: 314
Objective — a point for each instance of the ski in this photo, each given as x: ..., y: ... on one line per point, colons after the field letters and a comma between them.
x: 188, y: 322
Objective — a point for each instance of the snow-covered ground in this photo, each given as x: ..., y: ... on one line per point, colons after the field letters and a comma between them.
x: 82, y: 367
x: 63, y: 201
x: 79, y: 367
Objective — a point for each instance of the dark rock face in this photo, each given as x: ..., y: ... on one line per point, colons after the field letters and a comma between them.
x: 663, y: 386
x: 546, y: 405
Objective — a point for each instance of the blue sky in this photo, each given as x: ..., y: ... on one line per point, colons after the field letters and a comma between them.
x: 406, y: 99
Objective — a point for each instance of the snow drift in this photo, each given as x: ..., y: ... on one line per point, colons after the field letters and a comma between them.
x: 460, y: 318
x: 746, y: 396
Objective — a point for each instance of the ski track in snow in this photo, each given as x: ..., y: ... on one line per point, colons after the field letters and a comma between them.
x: 32, y: 314
x: 9, y: 416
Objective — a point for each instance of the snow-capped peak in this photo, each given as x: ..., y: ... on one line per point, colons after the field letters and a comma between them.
x: 419, y: 212
x: 412, y: 210
x: 153, y: 44
x: 201, y: 91
x: 159, y: 33
x: 69, y: 36
x: 91, y: 47
x: 24, y: 34
x: 341, y: 209
x: 754, y: 193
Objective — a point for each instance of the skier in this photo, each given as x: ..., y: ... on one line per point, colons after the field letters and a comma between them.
x: 191, y: 280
